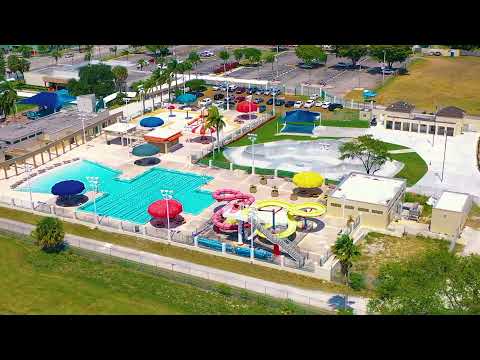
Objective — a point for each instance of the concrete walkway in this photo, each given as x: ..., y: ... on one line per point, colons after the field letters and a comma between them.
x: 317, y: 298
x: 472, y: 241
x: 401, y: 151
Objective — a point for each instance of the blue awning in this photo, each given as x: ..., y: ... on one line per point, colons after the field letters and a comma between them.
x: 186, y: 98
x: 50, y: 100
x: 300, y: 116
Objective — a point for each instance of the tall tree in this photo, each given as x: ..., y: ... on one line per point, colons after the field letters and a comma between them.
x: 346, y: 252
x: 352, y: 52
x: 150, y: 86
x: 238, y: 54
x: 187, y: 67
x: 253, y: 55
x: 25, y: 51
x: 56, y: 54
x: 43, y: 49
x: 95, y: 79
x: 437, y: 282
x: 114, y: 49
x: 8, y: 100
x: 224, y: 55
x: 142, y: 63
x: 270, y: 58
x: 194, y: 59
x: 392, y: 53
x: 173, y: 67
x: 310, y: 54
x: 371, y: 152
x: 49, y: 233
x: 120, y: 74
x: 2, y: 67
x: 215, y: 120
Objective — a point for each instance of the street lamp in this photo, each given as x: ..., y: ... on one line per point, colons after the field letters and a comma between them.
x: 28, y: 168
x: 444, y: 153
x: 82, y: 117
x: 228, y: 100
x: 167, y: 195
x: 252, y: 138
x: 383, y: 67
x: 93, y: 181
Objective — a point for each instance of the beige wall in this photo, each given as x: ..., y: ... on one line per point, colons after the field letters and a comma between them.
x: 367, y: 218
x: 32, y: 78
x: 457, y: 126
x: 448, y: 222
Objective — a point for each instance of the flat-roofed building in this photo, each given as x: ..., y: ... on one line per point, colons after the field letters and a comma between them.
x: 450, y: 212
x: 51, y: 76
x: 450, y: 120
x: 376, y: 200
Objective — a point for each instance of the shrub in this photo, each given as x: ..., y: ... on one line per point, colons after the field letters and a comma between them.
x: 357, y: 281
x: 224, y: 290
x: 49, y: 234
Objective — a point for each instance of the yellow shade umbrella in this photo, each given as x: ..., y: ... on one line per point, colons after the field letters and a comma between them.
x: 308, y: 179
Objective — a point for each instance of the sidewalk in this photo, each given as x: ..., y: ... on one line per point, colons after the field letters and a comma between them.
x: 317, y: 298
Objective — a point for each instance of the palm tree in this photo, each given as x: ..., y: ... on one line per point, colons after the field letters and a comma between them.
x: 270, y: 58
x: 216, y: 121
x: 125, y: 52
x: 194, y: 59
x: 49, y: 233
x: 224, y: 55
x: 8, y: 100
x: 149, y: 87
x: 56, y: 54
x: 346, y: 252
x: 187, y: 67
x: 160, y: 77
x: 173, y: 67
x: 121, y: 74
x: 114, y: 49
x: 142, y: 63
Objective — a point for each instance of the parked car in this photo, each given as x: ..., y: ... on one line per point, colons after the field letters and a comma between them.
x: 279, y: 102
x: 298, y: 104
x: 373, y: 122
x: 259, y: 92
x: 205, y: 102
x: 239, y: 99
x: 258, y: 100
x: 314, y: 96
x: 325, y: 104
x: 435, y: 53
x: 308, y: 104
x: 266, y: 92
x: 251, y: 91
x: 275, y: 91
x: 262, y: 108
x: 289, y: 103
x: 219, y: 103
x: 68, y: 55
x: 388, y: 71
x: 206, y: 53
x: 240, y: 90
x: 333, y: 107
x: 270, y: 101
x: 342, y: 65
x: 218, y: 96
x: 232, y: 87
x: 216, y: 87
x: 318, y: 103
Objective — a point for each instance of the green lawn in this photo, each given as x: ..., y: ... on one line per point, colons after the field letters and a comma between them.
x: 77, y: 282
x: 415, y: 167
x: 196, y: 257
x: 346, y: 123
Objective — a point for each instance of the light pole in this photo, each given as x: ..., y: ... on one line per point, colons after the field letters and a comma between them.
x: 252, y: 216
x: 444, y: 153
x: 93, y: 182
x: 28, y: 168
x: 252, y: 138
x: 228, y: 100
x: 167, y: 195
x: 82, y: 117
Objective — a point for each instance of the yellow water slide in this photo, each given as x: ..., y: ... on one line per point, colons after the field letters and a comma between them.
x: 293, y: 210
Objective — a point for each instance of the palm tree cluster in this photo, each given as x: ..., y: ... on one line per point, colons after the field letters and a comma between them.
x: 8, y: 99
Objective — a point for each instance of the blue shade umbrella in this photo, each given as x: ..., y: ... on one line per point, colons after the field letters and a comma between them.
x: 186, y: 98
x: 145, y: 150
x: 48, y: 100
x: 68, y: 188
x: 151, y: 122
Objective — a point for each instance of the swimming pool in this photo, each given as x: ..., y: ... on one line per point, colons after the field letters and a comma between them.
x: 129, y: 199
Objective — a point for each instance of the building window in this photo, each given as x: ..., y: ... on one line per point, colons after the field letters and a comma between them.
x: 450, y: 131
x: 441, y: 130
x: 16, y: 141
x: 363, y: 209
x: 431, y: 129
x: 31, y: 136
x: 335, y: 205
x: 414, y: 128
x: 423, y: 129
x: 398, y: 125
x: 406, y: 126
x: 377, y: 212
x: 389, y: 124
x: 350, y: 207
x: 25, y: 138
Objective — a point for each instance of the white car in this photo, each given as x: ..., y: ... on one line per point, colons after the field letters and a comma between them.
x: 325, y: 104
x: 205, y: 102
x: 314, y: 96
x: 308, y: 104
x: 298, y: 104
x: 318, y: 103
x: 215, y: 88
x: 218, y: 103
x: 206, y: 53
x: 162, y: 66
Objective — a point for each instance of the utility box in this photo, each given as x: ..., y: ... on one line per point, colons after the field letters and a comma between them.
x: 86, y: 103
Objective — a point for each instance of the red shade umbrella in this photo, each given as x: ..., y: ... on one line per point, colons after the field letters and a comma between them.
x: 158, y: 209
x: 247, y: 106
x: 171, y: 107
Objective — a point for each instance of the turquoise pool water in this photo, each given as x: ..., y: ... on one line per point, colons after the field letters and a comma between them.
x: 129, y: 199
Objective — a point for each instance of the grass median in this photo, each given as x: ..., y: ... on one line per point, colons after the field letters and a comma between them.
x: 193, y: 256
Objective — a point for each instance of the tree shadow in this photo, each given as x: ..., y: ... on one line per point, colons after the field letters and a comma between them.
x: 163, y: 224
